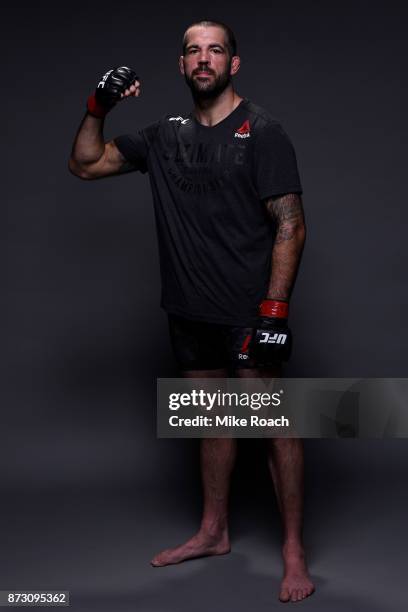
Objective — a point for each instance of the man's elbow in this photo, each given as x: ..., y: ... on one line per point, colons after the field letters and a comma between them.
x: 78, y: 170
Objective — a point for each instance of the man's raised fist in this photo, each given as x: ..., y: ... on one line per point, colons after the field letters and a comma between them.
x: 110, y: 90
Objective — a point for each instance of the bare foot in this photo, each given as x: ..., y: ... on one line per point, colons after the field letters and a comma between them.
x: 200, y: 545
x: 296, y: 583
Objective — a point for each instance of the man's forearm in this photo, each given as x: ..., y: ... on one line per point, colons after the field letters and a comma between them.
x: 287, y: 213
x: 89, y: 144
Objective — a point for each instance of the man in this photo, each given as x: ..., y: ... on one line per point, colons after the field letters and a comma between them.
x: 231, y: 231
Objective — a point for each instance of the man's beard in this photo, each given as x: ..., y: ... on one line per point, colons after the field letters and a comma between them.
x: 210, y: 88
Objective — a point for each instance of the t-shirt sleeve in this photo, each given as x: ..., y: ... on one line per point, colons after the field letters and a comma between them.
x: 276, y: 170
x: 135, y: 147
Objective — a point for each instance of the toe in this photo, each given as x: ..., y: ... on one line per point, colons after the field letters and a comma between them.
x: 284, y: 595
x: 157, y: 561
x: 299, y: 595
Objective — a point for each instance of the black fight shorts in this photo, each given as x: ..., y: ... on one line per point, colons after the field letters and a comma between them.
x: 209, y: 346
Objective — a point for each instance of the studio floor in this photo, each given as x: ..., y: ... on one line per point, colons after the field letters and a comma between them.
x: 97, y: 544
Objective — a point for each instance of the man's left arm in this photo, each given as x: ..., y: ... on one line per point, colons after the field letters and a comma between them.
x: 286, y: 211
x: 272, y: 339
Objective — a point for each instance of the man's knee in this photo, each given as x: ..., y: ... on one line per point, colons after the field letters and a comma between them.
x: 285, y: 444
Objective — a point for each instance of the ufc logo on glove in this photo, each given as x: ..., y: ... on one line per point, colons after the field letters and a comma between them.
x: 273, y: 339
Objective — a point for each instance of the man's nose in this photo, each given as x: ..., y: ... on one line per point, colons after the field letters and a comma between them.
x: 204, y: 57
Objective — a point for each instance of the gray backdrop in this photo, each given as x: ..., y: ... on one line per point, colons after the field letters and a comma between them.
x: 84, y: 338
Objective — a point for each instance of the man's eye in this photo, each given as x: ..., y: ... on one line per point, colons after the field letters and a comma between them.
x: 217, y: 50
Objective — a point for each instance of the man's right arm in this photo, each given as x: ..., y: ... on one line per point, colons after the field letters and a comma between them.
x: 91, y: 156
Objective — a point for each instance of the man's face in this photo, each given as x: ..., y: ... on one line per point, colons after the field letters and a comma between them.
x: 206, y: 63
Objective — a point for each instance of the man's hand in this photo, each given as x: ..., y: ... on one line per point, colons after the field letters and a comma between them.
x: 272, y: 340
x: 116, y: 84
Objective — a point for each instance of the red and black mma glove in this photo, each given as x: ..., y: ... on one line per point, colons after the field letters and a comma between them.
x: 109, y: 89
x: 272, y: 339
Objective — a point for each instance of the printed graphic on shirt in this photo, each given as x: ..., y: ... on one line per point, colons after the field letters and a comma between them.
x: 200, y: 167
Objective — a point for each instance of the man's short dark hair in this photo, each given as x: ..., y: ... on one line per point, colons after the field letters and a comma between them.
x: 229, y: 34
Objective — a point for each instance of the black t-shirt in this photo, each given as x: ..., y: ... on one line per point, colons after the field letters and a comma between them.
x: 208, y: 183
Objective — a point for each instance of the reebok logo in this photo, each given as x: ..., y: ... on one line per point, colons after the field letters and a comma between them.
x: 244, y: 131
x: 244, y: 348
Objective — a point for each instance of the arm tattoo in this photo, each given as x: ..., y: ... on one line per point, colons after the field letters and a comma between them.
x: 286, y: 212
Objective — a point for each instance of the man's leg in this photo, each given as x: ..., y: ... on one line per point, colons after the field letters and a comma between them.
x: 285, y: 461
x: 217, y: 462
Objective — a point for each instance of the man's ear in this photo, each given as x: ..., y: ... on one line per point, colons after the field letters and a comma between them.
x: 235, y: 64
x: 181, y: 64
